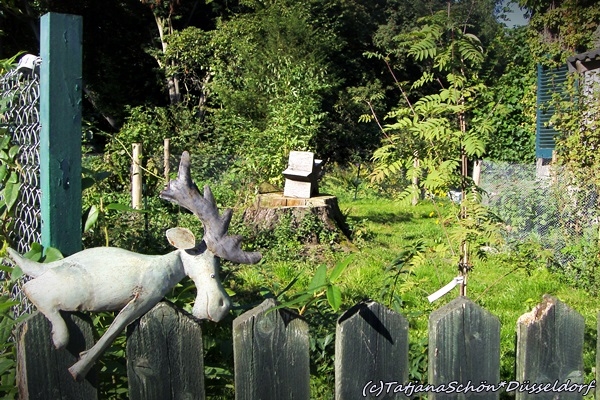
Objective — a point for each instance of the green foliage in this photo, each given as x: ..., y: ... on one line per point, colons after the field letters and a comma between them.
x: 532, y: 207
x: 402, y: 265
x: 549, y: 224
x: 510, y: 101
x: 187, y: 57
x: 321, y: 285
x: 584, y: 269
x: 8, y: 356
x: 9, y: 181
x: 429, y: 136
x: 351, y: 182
x: 288, y: 238
x: 576, y: 116
x: 268, y: 87
x: 561, y: 28
x: 434, y: 137
x: 9, y: 193
x: 149, y: 126
x: 8, y: 64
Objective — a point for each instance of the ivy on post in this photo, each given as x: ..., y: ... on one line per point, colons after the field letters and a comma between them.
x: 60, y: 141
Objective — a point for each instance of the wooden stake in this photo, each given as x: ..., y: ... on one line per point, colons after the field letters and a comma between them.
x: 136, y: 177
x: 167, y: 156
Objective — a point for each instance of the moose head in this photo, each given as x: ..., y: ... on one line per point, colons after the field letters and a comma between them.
x: 108, y: 278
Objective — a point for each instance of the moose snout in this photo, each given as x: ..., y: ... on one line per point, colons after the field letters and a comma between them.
x: 213, y: 308
x: 221, y: 309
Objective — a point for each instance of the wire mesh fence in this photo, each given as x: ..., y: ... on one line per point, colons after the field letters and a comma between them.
x: 549, y: 208
x: 20, y: 94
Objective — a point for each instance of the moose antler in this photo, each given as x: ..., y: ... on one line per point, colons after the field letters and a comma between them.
x: 184, y: 192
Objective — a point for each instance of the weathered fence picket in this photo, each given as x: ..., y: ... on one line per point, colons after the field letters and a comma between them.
x: 550, y: 347
x: 42, y: 371
x: 371, y: 345
x: 165, y: 355
x: 464, y: 346
x: 271, y: 351
x: 271, y: 354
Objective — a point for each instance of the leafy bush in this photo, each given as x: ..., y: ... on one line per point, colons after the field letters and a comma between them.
x: 8, y: 356
x: 149, y: 126
x: 267, y: 90
x: 9, y: 193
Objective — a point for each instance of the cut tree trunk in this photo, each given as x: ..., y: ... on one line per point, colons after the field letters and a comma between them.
x: 271, y: 208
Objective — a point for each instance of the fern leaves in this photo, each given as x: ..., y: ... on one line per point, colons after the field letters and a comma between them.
x: 436, y: 129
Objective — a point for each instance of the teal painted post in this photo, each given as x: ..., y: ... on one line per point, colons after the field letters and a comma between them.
x: 60, y: 141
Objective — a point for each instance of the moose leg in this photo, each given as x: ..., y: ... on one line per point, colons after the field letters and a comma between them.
x: 60, y: 332
x: 133, y: 310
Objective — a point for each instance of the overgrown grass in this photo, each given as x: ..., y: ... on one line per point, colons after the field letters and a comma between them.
x: 505, y: 284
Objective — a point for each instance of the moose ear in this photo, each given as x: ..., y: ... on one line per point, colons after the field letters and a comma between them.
x: 181, y: 238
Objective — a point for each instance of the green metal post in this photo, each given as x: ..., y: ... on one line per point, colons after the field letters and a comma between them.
x: 60, y: 141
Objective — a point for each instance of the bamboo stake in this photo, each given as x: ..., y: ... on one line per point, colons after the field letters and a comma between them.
x: 136, y: 177
x: 166, y: 157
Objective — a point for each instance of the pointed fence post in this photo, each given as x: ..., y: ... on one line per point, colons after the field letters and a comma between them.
x: 271, y: 354
x: 464, y: 346
x: 60, y: 136
x: 550, y: 349
x: 42, y: 370
x: 165, y: 356
x: 371, y: 346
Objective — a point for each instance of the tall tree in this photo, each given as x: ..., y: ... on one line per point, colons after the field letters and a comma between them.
x: 164, y: 13
x: 433, y: 138
x: 270, y: 73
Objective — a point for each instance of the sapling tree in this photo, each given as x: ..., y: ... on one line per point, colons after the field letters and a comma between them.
x: 432, y: 135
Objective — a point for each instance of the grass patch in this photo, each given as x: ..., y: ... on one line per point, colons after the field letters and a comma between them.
x: 506, y: 286
x: 502, y: 287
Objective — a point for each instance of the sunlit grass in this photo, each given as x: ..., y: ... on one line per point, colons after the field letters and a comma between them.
x: 383, y: 228
x: 504, y: 290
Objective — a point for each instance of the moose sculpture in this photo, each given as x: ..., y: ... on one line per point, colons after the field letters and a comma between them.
x: 108, y: 278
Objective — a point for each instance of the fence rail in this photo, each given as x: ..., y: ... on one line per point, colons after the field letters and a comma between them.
x: 271, y: 355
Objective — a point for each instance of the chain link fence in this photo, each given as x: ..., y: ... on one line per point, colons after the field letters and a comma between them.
x: 542, y: 204
x: 20, y: 95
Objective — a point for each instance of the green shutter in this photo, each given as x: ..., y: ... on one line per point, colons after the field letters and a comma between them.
x: 549, y: 81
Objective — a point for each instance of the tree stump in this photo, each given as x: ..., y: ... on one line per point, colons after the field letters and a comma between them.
x: 271, y: 208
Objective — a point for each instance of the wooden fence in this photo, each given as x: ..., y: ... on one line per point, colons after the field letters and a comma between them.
x: 271, y: 352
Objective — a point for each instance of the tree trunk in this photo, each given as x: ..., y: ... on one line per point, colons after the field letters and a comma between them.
x: 272, y: 208
x: 165, y: 27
